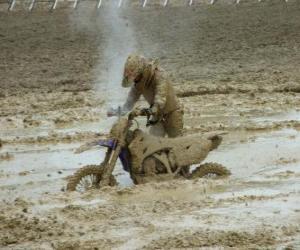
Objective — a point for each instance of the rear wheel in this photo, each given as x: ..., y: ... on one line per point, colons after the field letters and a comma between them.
x: 88, y: 177
x: 210, y: 170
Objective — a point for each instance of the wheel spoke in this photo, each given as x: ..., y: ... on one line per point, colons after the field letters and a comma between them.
x: 86, y: 178
x: 87, y: 182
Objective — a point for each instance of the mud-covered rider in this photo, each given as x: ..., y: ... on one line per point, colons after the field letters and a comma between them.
x: 146, y: 78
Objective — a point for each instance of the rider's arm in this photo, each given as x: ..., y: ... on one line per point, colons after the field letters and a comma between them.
x: 132, y: 98
x: 161, y: 92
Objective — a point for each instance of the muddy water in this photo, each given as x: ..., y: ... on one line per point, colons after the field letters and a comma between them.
x: 40, y: 170
x: 259, y: 153
x: 255, y: 158
x: 287, y: 116
x: 233, y: 67
x: 259, y: 201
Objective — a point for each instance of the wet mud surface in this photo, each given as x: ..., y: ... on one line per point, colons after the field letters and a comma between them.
x: 234, y: 69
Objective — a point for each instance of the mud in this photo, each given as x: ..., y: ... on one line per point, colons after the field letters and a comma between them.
x: 234, y: 68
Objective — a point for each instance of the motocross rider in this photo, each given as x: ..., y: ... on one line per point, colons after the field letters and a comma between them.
x: 146, y: 78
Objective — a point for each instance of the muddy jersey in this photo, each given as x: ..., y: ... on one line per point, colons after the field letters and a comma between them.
x: 157, y: 90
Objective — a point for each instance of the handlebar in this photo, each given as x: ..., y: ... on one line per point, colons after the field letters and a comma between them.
x: 144, y: 112
x: 133, y: 114
x: 140, y: 112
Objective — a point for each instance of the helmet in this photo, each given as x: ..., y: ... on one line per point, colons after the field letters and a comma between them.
x: 133, y: 70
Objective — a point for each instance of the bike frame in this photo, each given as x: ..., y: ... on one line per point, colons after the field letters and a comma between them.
x: 124, y: 153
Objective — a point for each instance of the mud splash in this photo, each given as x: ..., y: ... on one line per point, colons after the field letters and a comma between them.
x: 263, y: 189
x: 242, y: 80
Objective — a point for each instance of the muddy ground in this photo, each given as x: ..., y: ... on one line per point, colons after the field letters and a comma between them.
x: 235, y: 68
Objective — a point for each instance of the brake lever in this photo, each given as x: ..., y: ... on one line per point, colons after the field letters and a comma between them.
x: 147, y: 112
x: 148, y: 123
x: 144, y: 112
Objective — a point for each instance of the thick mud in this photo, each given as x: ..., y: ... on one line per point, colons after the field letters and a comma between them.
x: 234, y: 68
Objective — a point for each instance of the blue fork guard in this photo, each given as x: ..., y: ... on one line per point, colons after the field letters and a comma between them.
x: 108, y: 143
x: 124, y: 154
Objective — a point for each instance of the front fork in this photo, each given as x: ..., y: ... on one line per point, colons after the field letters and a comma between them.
x: 110, y: 162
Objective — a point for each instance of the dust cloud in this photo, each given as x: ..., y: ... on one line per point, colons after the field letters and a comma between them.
x: 120, y: 42
x: 117, y: 43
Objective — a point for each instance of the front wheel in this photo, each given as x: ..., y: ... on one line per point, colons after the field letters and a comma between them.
x: 210, y: 170
x: 88, y: 177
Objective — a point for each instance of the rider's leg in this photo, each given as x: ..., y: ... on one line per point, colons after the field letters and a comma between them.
x: 158, y: 130
x: 147, y: 171
x: 149, y: 166
x: 174, y: 123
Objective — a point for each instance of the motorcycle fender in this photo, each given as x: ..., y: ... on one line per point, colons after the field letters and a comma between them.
x: 185, y: 150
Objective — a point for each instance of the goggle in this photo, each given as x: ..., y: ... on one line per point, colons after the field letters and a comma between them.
x: 130, y: 72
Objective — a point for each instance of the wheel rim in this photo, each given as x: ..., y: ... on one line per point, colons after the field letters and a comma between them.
x: 87, y: 182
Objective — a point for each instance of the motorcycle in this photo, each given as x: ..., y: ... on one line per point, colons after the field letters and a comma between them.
x: 146, y: 157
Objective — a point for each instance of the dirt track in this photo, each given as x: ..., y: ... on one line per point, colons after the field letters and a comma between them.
x: 235, y: 68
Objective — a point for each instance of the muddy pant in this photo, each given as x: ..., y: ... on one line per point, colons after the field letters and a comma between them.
x: 172, y: 125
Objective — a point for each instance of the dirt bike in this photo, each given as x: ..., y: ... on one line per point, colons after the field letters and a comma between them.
x: 147, y: 157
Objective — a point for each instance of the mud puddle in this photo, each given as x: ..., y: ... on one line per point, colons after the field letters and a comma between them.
x: 42, y: 169
x: 102, y: 126
x: 254, y: 158
x: 256, y: 153
x: 280, y: 117
x: 261, y: 195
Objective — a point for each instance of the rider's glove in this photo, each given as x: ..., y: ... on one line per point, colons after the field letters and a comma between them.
x: 152, y: 115
x: 154, y: 109
x: 147, y: 112
x: 134, y: 113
